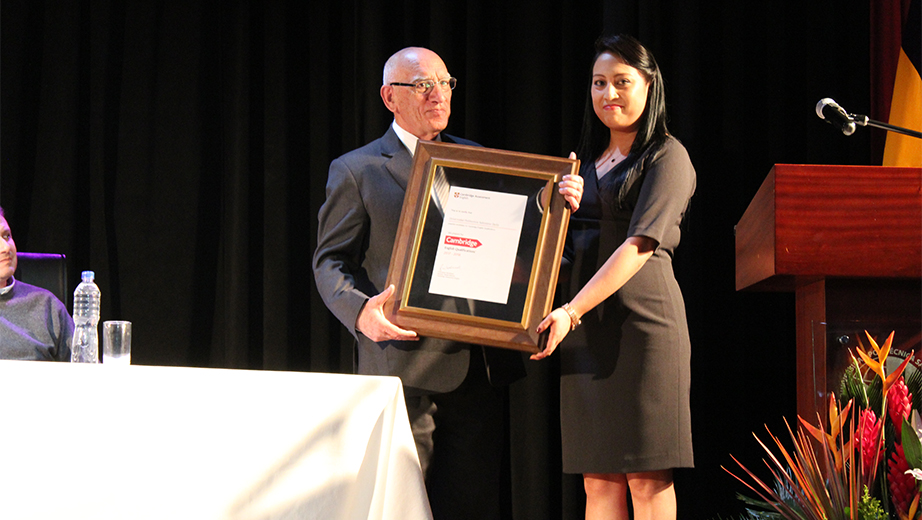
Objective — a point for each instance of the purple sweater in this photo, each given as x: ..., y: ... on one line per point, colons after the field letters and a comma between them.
x: 34, y: 325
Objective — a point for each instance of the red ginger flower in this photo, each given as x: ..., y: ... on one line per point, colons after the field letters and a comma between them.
x: 903, y: 487
x: 869, y: 441
x: 899, y: 404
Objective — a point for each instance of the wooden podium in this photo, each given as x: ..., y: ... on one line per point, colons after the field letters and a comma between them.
x: 847, y: 240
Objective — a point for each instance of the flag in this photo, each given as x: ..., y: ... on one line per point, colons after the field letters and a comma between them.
x: 896, y: 48
x: 906, y: 103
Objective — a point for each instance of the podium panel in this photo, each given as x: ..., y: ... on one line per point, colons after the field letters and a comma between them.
x: 810, y: 222
x: 832, y: 317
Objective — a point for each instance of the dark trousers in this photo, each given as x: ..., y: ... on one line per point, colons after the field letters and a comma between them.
x: 459, y: 437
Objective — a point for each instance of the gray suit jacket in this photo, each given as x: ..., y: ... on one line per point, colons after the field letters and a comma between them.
x: 357, y: 227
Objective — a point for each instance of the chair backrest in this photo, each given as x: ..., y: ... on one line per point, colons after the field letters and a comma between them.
x: 45, y: 270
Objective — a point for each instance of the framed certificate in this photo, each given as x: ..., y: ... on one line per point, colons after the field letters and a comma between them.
x: 479, y: 244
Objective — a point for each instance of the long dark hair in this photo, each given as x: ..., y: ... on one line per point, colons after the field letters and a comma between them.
x: 651, y: 130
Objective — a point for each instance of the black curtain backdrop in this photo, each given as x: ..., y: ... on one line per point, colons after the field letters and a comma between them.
x: 180, y: 150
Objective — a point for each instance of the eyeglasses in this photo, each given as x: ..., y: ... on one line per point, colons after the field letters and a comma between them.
x: 425, y: 86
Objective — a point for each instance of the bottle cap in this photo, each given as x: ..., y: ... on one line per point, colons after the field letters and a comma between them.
x: 87, y: 276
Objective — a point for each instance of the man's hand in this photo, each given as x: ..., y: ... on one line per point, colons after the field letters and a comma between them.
x: 375, y: 326
x: 571, y: 187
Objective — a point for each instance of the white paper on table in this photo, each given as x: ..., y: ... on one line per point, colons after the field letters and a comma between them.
x: 477, y: 246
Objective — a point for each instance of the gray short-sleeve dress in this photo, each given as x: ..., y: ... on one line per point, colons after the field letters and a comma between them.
x: 625, y: 373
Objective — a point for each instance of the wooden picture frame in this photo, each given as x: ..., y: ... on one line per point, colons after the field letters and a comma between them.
x: 536, y: 262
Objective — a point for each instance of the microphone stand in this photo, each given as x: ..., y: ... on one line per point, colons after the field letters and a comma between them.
x: 861, y: 120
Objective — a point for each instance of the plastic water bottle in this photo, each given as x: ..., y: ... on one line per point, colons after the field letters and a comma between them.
x: 85, y: 348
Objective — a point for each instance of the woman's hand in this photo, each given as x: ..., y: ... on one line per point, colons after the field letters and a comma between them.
x: 571, y: 187
x: 559, y: 322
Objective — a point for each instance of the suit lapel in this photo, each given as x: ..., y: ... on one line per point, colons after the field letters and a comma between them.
x: 399, y: 162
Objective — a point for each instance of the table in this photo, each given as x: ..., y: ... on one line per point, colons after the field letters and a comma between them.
x: 143, y: 442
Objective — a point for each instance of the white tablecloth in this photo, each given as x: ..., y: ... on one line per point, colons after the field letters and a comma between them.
x: 138, y: 442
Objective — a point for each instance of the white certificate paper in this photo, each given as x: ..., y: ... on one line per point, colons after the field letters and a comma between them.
x: 477, y: 246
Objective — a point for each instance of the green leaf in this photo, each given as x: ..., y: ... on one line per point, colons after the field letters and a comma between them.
x: 853, y: 387
x: 912, y: 447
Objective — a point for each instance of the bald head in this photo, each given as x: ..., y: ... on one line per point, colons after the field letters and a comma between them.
x: 423, y: 115
x: 408, y: 58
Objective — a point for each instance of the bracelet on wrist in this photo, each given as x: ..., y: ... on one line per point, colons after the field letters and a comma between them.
x: 574, y: 319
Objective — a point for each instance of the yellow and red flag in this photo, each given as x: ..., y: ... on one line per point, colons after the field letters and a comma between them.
x: 896, y: 88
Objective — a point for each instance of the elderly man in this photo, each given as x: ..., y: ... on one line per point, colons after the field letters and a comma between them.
x: 33, y: 323
x: 454, y: 391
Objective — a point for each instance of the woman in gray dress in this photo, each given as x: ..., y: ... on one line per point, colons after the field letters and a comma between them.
x: 625, y: 363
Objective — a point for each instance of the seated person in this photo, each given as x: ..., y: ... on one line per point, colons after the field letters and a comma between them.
x: 33, y: 323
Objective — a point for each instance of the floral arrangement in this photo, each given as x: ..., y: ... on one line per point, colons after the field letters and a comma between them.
x: 866, y: 465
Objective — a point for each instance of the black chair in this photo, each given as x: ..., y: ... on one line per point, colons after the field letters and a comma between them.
x: 45, y: 270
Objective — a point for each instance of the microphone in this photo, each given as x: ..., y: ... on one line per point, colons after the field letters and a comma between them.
x: 832, y: 113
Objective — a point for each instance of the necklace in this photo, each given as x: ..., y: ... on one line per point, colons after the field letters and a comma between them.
x: 614, y: 155
x: 607, y: 162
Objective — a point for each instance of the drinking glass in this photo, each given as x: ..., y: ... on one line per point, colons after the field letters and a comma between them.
x: 116, y: 342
